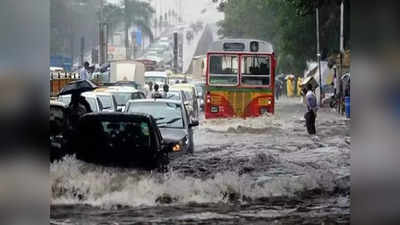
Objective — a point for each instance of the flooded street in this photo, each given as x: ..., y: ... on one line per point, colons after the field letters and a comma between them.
x: 253, y: 171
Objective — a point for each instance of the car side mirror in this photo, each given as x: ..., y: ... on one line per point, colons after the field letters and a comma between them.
x: 194, y: 123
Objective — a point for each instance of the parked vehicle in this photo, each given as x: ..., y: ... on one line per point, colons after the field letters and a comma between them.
x: 172, y: 119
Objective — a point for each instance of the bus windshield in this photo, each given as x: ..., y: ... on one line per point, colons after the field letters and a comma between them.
x: 255, y: 70
x: 223, y: 70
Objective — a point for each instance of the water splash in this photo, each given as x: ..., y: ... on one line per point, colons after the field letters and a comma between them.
x: 76, y: 182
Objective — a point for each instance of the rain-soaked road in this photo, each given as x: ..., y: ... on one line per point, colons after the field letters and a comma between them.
x: 264, y: 170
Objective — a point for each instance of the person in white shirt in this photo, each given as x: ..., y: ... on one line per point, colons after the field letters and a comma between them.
x: 312, y: 107
x: 84, y: 74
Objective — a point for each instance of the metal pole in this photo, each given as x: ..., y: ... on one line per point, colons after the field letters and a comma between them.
x: 341, y: 58
x: 341, y: 26
x: 101, y: 43
x: 101, y: 34
x: 127, y: 55
x: 175, y: 52
x: 82, y: 50
x: 319, y: 59
x: 107, y: 35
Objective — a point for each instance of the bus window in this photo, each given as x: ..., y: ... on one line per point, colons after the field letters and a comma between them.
x: 255, y: 70
x: 223, y: 70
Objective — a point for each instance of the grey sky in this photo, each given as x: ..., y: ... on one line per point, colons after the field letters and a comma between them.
x: 191, y: 9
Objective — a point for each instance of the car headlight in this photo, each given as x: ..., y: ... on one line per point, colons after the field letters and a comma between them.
x: 177, y: 148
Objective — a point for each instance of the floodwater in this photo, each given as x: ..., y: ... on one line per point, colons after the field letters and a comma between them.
x: 264, y: 170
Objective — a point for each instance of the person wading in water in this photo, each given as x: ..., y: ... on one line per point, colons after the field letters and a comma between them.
x: 311, y: 104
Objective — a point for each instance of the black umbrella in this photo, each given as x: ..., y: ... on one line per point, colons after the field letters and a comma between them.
x: 77, y: 87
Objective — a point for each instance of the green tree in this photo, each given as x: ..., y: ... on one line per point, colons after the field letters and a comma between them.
x: 139, y: 14
x: 288, y: 24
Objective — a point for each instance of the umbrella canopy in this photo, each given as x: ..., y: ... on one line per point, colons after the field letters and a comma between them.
x: 79, y: 86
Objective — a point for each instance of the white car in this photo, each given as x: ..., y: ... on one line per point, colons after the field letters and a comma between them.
x: 123, y: 94
x: 93, y: 100
x: 108, y: 101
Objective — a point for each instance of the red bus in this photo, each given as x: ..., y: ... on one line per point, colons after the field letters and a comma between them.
x: 239, y: 79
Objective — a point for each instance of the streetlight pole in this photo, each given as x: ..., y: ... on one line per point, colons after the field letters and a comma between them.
x: 341, y: 57
x: 101, y: 34
x: 319, y: 57
x: 127, y: 52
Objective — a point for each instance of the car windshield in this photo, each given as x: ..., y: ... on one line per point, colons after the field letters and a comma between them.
x: 168, y: 115
x: 188, y: 96
x: 107, y: 101
x: 66, y: 99
x: 91, y: 100
x: 174, y: 95
x: 92, y: 103
x: 123, y: 97
x: 156, y: 79
x: 126, y: 134
x: 199, y: 89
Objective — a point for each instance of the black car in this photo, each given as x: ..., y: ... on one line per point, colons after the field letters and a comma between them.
x: 172, y: 119
x: 119, y: 139
x: 57, y: 123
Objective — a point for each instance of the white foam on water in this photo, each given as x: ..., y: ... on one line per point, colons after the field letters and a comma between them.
x: 76, y: 182
x: 232, y: 124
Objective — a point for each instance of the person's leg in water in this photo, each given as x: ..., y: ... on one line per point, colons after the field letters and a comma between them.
x: 310, y: 122
x: 313, y: 130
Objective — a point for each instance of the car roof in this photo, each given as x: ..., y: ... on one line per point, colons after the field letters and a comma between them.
x: 57, y: 103
x: 176, y: 90
x: 181, y: 87
x: 102, y: 93
x: 152, y: 100
x: 155, y: 73
x: 115, y: 115
x: 122, y: 89
x: 89, y: 95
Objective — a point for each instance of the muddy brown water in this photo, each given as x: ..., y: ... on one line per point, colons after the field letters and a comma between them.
x: 263, y: 170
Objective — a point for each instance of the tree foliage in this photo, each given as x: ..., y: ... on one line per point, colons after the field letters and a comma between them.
x: 290, y: 25
x: 70, y: 20
x: 139, y: 14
